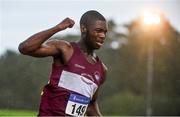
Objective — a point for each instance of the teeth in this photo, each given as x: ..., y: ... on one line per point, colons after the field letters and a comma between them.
x: 100, y: 44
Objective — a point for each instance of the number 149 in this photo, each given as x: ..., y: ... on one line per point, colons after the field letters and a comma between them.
x: 78, y: 109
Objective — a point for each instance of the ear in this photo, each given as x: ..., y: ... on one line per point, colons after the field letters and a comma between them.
x: 83, y: 28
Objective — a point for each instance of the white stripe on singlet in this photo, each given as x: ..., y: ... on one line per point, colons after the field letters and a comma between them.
x: 77, y: 83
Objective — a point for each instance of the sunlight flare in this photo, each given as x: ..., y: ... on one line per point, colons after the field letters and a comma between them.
x: 151, y: 18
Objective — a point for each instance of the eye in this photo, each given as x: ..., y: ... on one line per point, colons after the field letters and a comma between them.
x: 98, y: 30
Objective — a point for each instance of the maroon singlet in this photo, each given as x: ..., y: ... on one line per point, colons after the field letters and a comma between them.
x: 71, y: 85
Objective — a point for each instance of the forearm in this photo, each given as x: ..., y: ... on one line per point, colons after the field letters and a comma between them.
x: 36, y: 40
x: 93, y: 110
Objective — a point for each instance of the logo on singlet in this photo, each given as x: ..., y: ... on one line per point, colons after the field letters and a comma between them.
x: 97, y: 75
x: 87, y: 76
x: 79, y: 66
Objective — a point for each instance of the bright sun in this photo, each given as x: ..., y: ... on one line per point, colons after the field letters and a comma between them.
x: 150, y: 18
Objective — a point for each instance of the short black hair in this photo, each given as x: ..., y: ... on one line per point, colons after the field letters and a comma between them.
x: 91, y: 16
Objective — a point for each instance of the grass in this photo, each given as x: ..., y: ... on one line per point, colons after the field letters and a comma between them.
x: 5, y: 112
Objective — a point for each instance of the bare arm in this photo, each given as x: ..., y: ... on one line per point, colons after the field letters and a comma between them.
x: 34, y: 45
x: 93, y: 108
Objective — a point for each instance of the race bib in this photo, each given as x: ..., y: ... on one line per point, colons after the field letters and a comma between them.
x: 77, y: 105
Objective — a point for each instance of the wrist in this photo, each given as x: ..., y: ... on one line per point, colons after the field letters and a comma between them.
x: 56, y: 29
x: 60, y: 27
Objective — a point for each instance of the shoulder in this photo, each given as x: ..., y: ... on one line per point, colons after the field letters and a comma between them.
x: 65, y: 51
x: 104, y: 67
x: 59, y: 44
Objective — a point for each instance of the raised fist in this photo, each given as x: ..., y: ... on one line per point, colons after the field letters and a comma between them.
x: 66, y: 23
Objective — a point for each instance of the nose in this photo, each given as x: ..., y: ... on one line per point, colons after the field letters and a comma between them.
x: 102, y: 35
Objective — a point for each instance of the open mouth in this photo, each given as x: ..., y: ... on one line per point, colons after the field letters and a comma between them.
x: 99, y: 43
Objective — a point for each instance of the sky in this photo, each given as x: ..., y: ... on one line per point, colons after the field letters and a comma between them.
x: 20, y: 19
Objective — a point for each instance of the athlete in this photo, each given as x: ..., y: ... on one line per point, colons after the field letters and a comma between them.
x: 77, y: 73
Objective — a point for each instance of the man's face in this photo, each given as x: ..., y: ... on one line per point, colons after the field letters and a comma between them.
x: 96, y: 34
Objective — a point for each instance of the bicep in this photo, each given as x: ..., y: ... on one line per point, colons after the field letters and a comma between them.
x: 43, y: 52
x: 46, y: 49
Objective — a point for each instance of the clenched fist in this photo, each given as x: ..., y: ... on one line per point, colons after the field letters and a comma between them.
x: 66, y: 23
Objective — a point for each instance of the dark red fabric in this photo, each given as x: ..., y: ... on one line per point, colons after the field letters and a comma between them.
x: 55, y: 98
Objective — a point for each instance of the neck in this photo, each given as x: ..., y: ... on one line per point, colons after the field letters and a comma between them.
x: 84, y: 47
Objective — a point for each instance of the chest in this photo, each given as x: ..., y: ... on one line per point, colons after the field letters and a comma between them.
x: 83, y: 68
